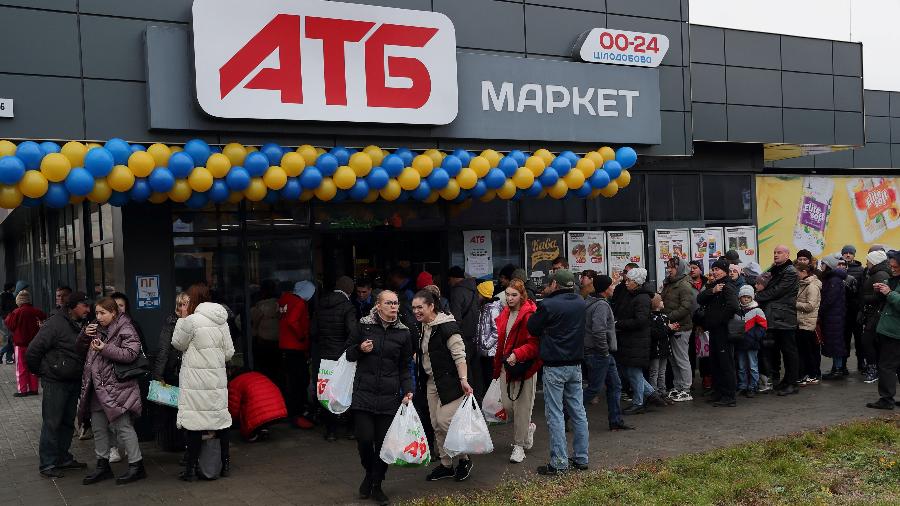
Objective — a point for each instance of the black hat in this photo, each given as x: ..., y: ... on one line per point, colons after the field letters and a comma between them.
x: 721, y: 264
x: 732, y: 256
x: 602, y: 282
x: 456, y: 272
x: 76, y: 298
x: 699, y: 264
x: 805, y: 253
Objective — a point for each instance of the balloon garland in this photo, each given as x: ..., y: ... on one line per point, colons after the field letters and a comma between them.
x: 117, y: 172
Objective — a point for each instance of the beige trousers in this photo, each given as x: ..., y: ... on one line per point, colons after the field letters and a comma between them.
x: 520, y: 409
x: 441, y: 415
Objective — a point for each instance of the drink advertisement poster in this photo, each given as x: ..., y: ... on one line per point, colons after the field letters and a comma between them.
x: 541, y: 248
x: 624, y: 247
x: 670, y: 243
x: 707, y: 245
x: 478, y: 250
x: 742, y: 240
x: 587, y: 251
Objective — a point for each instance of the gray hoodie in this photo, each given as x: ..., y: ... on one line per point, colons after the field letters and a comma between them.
x: 600, y: 328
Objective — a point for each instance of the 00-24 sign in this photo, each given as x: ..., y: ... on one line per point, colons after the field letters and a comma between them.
x: 620, y: 47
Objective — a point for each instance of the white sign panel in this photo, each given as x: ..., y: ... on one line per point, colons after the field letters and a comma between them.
x: 742, y: 240
x: 324, y: 61
x: 670, y: 243
x: 478, y: 250
x: 623, y: 248
x: 6, y: 108
x: 707, y: 245
x: 621, y: 47
x: 587, y: 251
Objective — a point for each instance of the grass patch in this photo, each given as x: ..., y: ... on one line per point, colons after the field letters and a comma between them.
x: 855, y: 463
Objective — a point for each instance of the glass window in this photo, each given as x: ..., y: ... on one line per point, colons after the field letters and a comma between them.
x: 97, y: 263
x: 576, y: 210
x: 110, y: 283
x: 726, y: 197
x: 686, y: 196
x: 659, y: 197
x: 473, y: 213
x: 95, y: 223
x: 106, y: 216
x: 546, y: 211
x: 627, y: 205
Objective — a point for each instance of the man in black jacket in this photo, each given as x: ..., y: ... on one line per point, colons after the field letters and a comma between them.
x: 559, y: 323
x: 55, y: 356
x: 720, y: 300
x: 779, y: 302
x: 853, y: 330
x: 464, y: 306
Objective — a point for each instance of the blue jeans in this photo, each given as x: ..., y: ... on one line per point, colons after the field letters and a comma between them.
x: 8, y: 347
x: 562, y: 385
x: 747, y: 359
x: 839, y: 363
x: 58, y: 407
x: 602, y: 371
x: 639, y: 385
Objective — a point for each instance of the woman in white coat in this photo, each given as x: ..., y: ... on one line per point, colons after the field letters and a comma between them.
x: 205, y: 340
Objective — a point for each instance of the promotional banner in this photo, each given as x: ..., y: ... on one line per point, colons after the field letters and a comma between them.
x: 822, y: 213
x: 670, y: 243
x: 707, y: 245
x: 478, y: 250
x: 625, y: 247
x: 587, y: 251
x: 742, y: 240
x: 540, y: 250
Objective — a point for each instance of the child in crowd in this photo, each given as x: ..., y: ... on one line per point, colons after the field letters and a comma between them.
x: 755, y: 326
x: 661, y: 329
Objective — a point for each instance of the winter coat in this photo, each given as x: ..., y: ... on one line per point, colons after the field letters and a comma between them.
x: 364, y: 307
x: 168, y: 360
x: 487, y: 328
x: 445, y: 347
x: 678, y: 300
x: 121, y: 346
x: 720, y: 307
x: 254, y: 401
x: 54, y: 354
x: 779, y: 298
x: 293, y: 325
x: 659, y: 335
x: 382, y: 375
x: 809, y: 296
x: 889, y: 323
x: 633, y: 327
x: 755, y: 326
x: 870, y: 299
x: 205, y: 340
x: 334, y: 325
x: 464, y: 308
x: 833, y: 314
x: 23, y: 322
x: 518, y: 340
x: 600, y: 328
x: 7, y: 303
x: 559, y: 323
x: 264, y: 320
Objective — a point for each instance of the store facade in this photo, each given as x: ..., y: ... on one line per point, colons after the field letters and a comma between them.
x: 704, y: 113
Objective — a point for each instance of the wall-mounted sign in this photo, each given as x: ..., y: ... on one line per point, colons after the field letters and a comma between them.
x: 478, y: 249
x: 625, y: 247
x: 742, y: 240
x: 670, y: 243
x: 541, y: 248
x: 587, y: 251
x: 620, y: 47
x: 6, y: 108
x: 147, y: 289
x: 324, y: 61
x: 707, y: 245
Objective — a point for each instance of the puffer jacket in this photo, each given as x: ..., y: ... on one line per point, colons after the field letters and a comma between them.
x: 633, y: 326
x: 254, y: 401
x: 23, y: 322
x: 264, y: 317
x: 168, y: 360
x: 518, y: 340
x: 755, y: 326
x: 870, y: 299
x: 464, y: 308
x: 660, y: 335
x: 779, y: 298
x: 487, y: 328
x: 383, y: 374
x: 117, y: 397
x: 54, y: 354
x: 600, y: 328
x: 833, y: 313
x: 205, y: 340
x: 293, y: 325
x: 889, y: 323
x: 809, y: 296
x: 334, y: 325
x: 678, y: 298
x: 720, y: 307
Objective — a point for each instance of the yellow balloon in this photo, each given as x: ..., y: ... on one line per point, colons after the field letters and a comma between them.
x: 157, y: 197
x: 75, y: 152
x: 55, y: 167
x: 536, y: 165
x: 326, y: 190
x: 574, y: 179
x: 173, y: 149
x: 344, y: 177
x: 507, y: 191
x: 292, y: 163
x: 545, y: 155
x: 558, y: 190
x: 595, y: 157
x: 489, y: 196
x: 33, y: 184
x: 375, y: 154
x: 586, y: 166
x: 480, y: 165
x: 120, y: 179
x: 607, y: 153
x: 7, y: 148
x: 251, y: 149
x: 10, y: 197
x: 160, y: 154
x: 309, y: 154
x: 523, y: 178
x: 432, y: 198
x: 371, y: 197
x: 235, y: 197
x: 257, y: 190
x: 361, y: 163
x: 218, y: 165
x: 320, y: 151
x: 235, y: 152
x: 391, y: 191
x: 610, y: 190
x: 624, y: 179
x: 467, y: 178
x: 491, y: 156
x: 436, y: 158
x: 181, y: 191
x: 200, y: 179
x: 101, y: 192
x: 275, y: 178
x: 451, y: 191
x: 595, y: 193
x: 423, y: 165
x: 409, y: 179
x: 141, y: 163
x: 92, y: 145
x: 76, y: 199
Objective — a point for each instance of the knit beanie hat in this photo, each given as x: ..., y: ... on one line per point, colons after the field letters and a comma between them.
x: 698, y: 263
x: 23, y: 298
x: 733, y: 256
x: 424, y: 279
x: 486, y: 289
x: 848, y: 249
x: 344, y: 284
x: 746, y: 291
x: 601, y: 282
x: 304, y: 289
x: 805, y: 253
x: 876, y: 257
x: 831, y: 261
x: 638, y: 275
x: 721, y: 264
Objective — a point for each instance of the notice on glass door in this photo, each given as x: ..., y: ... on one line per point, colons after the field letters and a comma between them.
x: 479, y: 253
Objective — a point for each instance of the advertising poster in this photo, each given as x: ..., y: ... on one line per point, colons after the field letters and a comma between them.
x: 742, y: 240
x: 587, y: 251
x: 540, y: 250
x: 479, y: 253
x: 707, y: 245
x: 625, y: 247
x: 670, y: 243
x: 147, y: 291
x: 822, y: 213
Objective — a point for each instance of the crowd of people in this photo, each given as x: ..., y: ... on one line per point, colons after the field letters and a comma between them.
x: 747, y: 331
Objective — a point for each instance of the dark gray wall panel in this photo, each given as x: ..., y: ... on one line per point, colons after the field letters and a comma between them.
x: 872, y: 156
x: 809, y: 91
x: 56, y: 5
x: 707, y: 44
x: 538, y: 39
x: 794, y: 163
x: 671, y: 29
x: 803, y: 126
x: 848, y: 128
x: 585, y: 5
x: 877, y: 103
x: 122, y: 60
x: 708, y: 83
x: 104, y: 102
x: 167, y: 10
x: 895, y: 130
x: 806, y: 55
x: 753, y: 86
x: 847, y: 58
x: 662, y: 9
x: 836, y: 160
x: 710, y: 122
x: 686, y: 71
x: 477, y: 27
x: 671, y: 89
x: 754, y: 124
x: 895, y: 155
x: 878, y: 129
x: 895, y: 104
x: 751, y: 49
x: 848, y: 93
x: 673, y: 138
x: 45, y: 107
x: 418, y: 5
x: 53, y: 36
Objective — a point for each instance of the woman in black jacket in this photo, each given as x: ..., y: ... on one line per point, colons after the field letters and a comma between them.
x: 720, y: 300
x: 382, y: 352
x: 166, y: 367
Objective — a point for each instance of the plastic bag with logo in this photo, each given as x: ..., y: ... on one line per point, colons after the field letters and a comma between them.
x: 339, y: 389
x: 405, y: 443
x: 492, y: 404
x: 326, y: 371
x: 468, y: 432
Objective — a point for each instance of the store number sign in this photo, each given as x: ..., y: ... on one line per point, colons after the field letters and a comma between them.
x: 620, y: 47
x: 6, y: 108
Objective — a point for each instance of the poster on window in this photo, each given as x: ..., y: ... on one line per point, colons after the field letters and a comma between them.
x: 540, y: 250
x: 147, y: 291
x: 670, y: 243
x: 479, y: 253
x: 624, y: 247
x: 707, y: 245
x: 742, y: 240
x: 587, y: 251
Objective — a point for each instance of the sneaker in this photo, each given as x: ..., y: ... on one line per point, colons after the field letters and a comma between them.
x: 764, y: 388
x: 657, y: 400
x: 549, y: 470
x: 463, y: 470
x: 72, y: 464
x: 20, y: 394
x: 871, y: 375
x: 672, y: 393
x: 881, y: 404
x: 530, y: 441
x: 52, y: 472
x: 518, y: 454
x: 365, y: 488
x: 625, y: 397
x: 845, y: 371
x: 833, y: 375
x: 813, y: 381
x: 10, y: 361
x: 682, y: 396
x: 802, y: 382
x: 742, y: 391
x: 114, y: 455
x: 576, y: 465
x: 620, y: 426
x: 635, y: 410
x: 439, y: 473
x: 725, y: 403
x: 788, y: 390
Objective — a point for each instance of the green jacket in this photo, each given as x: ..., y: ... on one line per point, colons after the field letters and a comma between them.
x: 679, y: 300
x: 889, y: 323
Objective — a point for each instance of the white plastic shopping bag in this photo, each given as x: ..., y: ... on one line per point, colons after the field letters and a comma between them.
x: 405, y: 443
x: 702, y: 344
x: 326, y: 371
x: 492, y: 404
x: 468, y: 432
x: 339, y: 389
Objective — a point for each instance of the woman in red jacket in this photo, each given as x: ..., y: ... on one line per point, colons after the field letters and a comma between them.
x: 24, y: 323
x: 254, y: 401
x: 516, y: 363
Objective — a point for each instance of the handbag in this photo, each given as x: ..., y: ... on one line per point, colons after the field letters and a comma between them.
x: 136, y: 369
x: 736, y: 330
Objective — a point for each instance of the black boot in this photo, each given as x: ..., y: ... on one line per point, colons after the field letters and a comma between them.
x: 183, y: 460
x: 190, y: 471
x: 226, y: 467
x: 365, y: 488
x: 378, y: 495
x: 101, y: 472
x: 135, y: 472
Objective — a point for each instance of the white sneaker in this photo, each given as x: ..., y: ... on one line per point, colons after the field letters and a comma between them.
x: 682, y: 396
x: 530, y: 441
x: 114, y: 455
x: 518, y: 455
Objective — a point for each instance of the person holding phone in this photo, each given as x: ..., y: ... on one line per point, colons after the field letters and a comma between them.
x: 888, y: 332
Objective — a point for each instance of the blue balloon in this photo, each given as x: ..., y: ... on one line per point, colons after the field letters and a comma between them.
x: 599, y: 180
x: 569, y: 155
x: 219, y: 192
x: 12, y: 168
x: 237, y: 179
x: 518, y: 196
x: 404, y: 196
x: 479, y: 190
x: 342, y: 155
x: 120, y: 150
x: 463, y: 195
x: 464, y: 156
x: 197, y: 200
x: 508, y: 165
x: 535, y: 189
x: 30, y: 202
x: 341, y: 196
x: 360, y: 190
x: 452, y: 164
x: 256, y: 164
x: 181, y: 164
x: 562, y: 165
x: 310, y: 178
x: 48, y: 147
x: 494, y: 179
x: 438, y: 179
x: 626, y: 157
x: 118, y: 199
x: 613, y: 168
x: 161, y: 180
x: 406, y: 155
x: 518, y: 156
x: 378, y: 178
x: 141, y: 190
x: 99, y: 162
x: 273, y: 152
x: 30, y: 153
x: 79, y: 182
x: 57, y: 196
x: 215, y: 149
x: 327, y: 164
x: 272, y: 197
x: 198, y: 150
x: 138, y: 147
x: 393, y: 164
x: 549, y: 177
x: 292, y: 189
x: 422, y: 192
x: 584, y: 192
